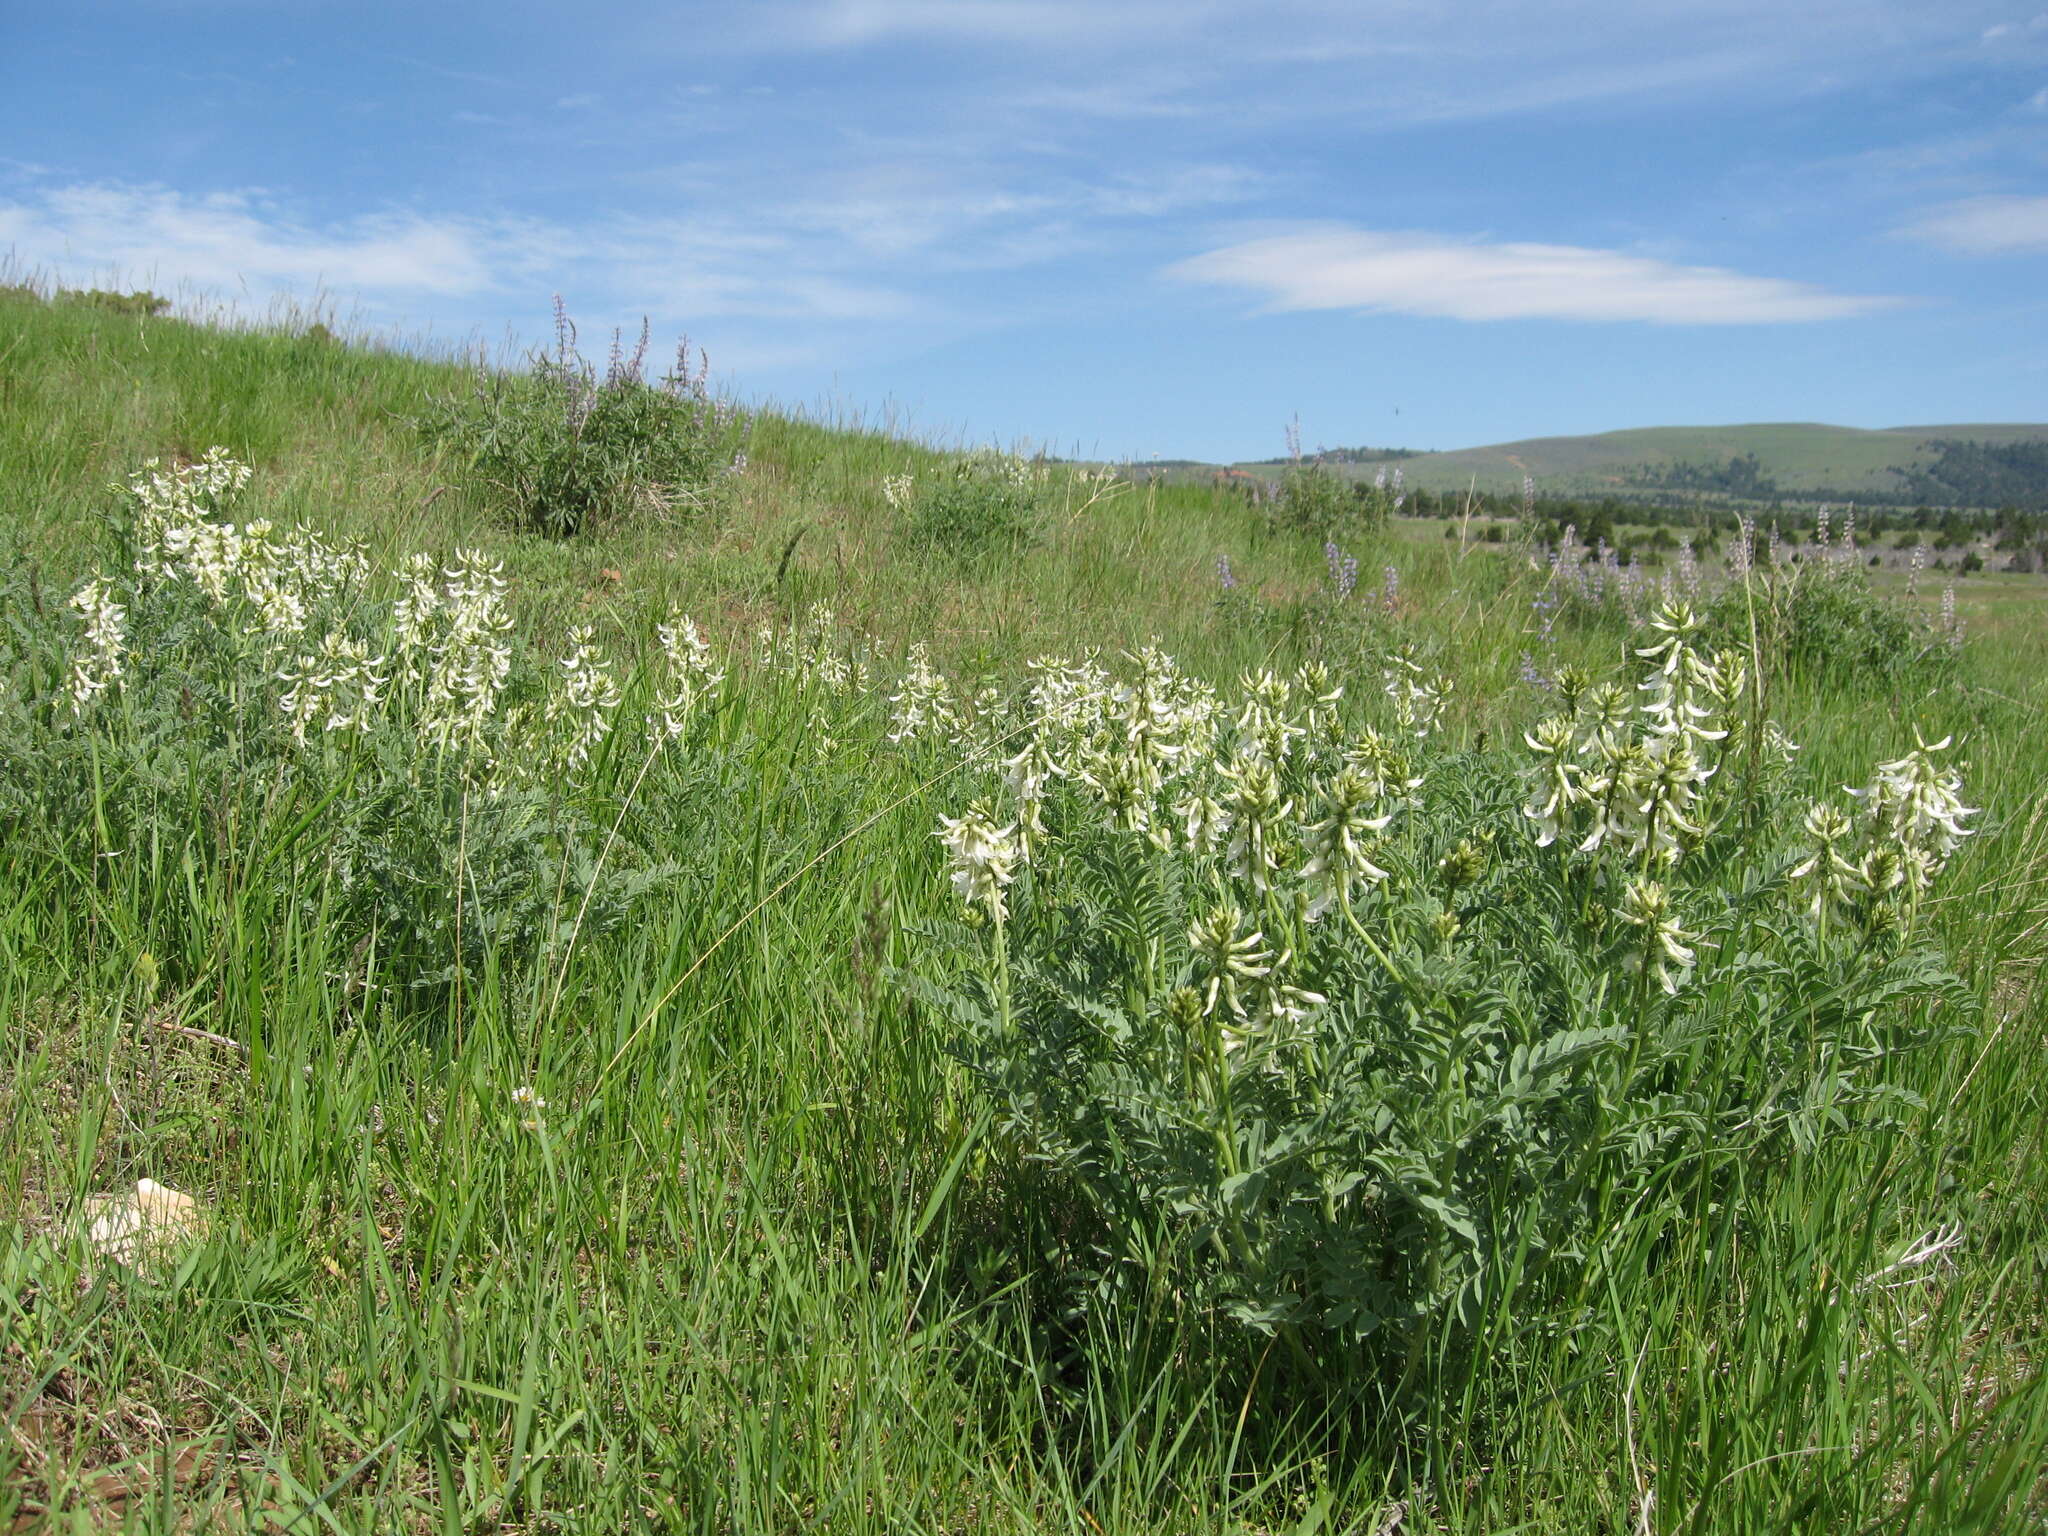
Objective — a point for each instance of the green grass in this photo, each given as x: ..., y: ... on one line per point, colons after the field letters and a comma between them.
x: 762, y: 1263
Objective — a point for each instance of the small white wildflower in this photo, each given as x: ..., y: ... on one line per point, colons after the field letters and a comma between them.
x: 1918, y: 803
x: 1556, y: 789
x: 587, y: 696
x: 984, y: 857
x: 1647, y: 905
x: 1340, y: 854
x: 1228, y: 958
x: 922, y: 704
x: 693, y: 676
x: 98, y: 666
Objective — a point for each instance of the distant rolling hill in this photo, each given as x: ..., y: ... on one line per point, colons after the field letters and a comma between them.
x: 1796, y: 459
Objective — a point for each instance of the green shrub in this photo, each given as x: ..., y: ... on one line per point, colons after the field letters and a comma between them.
x: 1823, y: 618
x: 978, y: 505
x: 557, y: 448
x: 1317, y: 502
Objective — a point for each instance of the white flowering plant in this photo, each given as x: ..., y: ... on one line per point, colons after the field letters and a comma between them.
x: 241, y: 680
x: 1375, y: 1034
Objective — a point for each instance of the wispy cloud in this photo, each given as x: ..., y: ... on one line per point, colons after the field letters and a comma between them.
x: 1294, y: 58
x: 2006, y: 31
x: 1986, y: 226
x: 1439, y: 276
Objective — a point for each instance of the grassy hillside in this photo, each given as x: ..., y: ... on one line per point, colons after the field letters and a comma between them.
x: 1803, y: 457
x: 829, y: 1066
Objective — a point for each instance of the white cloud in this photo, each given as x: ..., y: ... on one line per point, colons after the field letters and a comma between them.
x: 1440, y: 276
x: 230, y: 242
x: 2005, y: 29
x: 1987, y: 226
x: 236, y: 240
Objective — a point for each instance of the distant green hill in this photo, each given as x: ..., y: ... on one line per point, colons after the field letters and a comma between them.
x: 2009, y: 461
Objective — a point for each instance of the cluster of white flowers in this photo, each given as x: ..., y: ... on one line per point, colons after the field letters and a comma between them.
x: 983, y: 857
x: 585, y: 696
x: 181, y: 507
x: 1005, y: 468
x: 1645, y: 904
x: 816, y: 654
x: 1419, y: 698
x: 339, y: 687
x: 692, y: 679
x: 97, y: 666
x: 1605, y: 778
x: 922, y: 704
x: 452, y: 636
x: 991, y: 466
x: 1910, y: 826
x: 1242, y: 980
x: 1270, y: 784
x: 273, y: 581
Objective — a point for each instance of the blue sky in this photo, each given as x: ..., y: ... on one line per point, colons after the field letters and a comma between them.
x: 1154, y: 227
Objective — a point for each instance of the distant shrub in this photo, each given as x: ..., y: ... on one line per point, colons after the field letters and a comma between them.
x: 1316, y: 502
x: 142, y: 304
x: 1823, y: 618
x: 980, y: 504
x: 1971, y: 564
x: 1811, y: 611
x: 558, y: 448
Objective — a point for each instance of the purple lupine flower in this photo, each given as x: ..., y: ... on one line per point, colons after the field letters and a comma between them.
x: 565, y: 333
x: 1343, y: 569
x: 1390, y: 589
x: 1529, y: 673
x: 1631, y: 586
x: 636, y: 369
x: 1224, y: 578
x: 1688, y: 570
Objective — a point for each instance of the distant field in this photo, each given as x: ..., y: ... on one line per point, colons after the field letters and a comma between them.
x: 1800, y: 456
